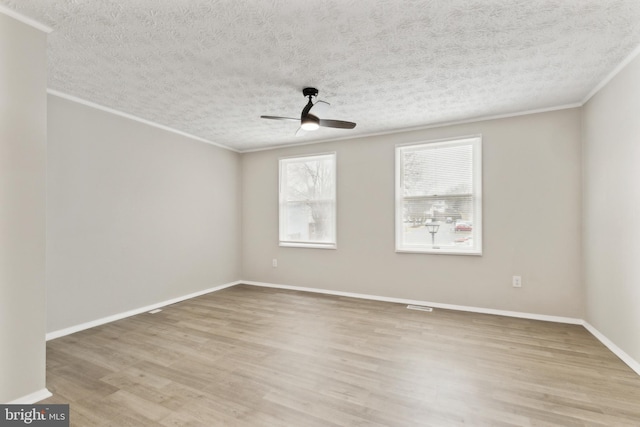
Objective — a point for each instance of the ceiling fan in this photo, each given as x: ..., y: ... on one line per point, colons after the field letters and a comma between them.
x: 311, y: 113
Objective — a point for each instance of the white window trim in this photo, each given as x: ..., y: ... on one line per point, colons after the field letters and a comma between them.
x: 476, y: 141
x: 304, y: 244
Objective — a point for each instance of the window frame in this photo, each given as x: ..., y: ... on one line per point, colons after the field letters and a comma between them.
x: 333, y: 244
x: 476, y: 142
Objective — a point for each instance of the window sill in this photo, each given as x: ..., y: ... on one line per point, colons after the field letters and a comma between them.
x: 308, y: 245
x: 439, y: 252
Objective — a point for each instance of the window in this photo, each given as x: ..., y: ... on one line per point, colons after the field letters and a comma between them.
x: 308, y: 201
x: 438, y: 197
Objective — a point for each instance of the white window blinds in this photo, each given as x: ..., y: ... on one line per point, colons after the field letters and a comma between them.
x: 438, y: 197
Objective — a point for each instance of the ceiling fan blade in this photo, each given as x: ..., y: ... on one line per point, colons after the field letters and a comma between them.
x: 336, y: 124
x: 279, y: 118
x: 320, y: 108
x: 301, y: 132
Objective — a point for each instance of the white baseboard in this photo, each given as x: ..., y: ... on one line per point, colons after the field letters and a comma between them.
x: 633, y: 364
x: 628, y: 360
x: 32, y: 398
x: 77, y: 328
x: 546, y: 318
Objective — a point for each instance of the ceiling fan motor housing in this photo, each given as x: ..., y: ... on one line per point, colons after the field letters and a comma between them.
x: 310, y: 91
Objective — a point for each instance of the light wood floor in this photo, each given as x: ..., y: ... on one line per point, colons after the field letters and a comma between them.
x: 249, y: 356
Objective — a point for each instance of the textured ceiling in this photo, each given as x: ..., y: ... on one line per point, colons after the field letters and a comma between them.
x: 211, y: 68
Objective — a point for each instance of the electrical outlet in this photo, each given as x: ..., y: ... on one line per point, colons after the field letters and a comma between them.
x: 274, y: 263
x: 517, y: 281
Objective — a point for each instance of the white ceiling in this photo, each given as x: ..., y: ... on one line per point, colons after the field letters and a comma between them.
x: 210, y: 68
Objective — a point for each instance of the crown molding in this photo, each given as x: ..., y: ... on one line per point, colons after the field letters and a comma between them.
x: 420, y: 128
x: 134, y: 118
x: 25, y: 19
x: 634, y: 53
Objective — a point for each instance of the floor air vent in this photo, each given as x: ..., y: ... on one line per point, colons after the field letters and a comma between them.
x: 419, y: 307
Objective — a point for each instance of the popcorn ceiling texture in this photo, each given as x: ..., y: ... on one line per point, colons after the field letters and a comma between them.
x: 211, y: 68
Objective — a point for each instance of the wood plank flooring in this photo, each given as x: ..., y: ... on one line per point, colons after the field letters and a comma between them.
x: 250, y: 356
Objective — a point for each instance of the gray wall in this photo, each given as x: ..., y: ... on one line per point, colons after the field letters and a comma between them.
x: 136, y: 215
x: 532, y: 225
x: 23, y: 106
x: 612, y: 209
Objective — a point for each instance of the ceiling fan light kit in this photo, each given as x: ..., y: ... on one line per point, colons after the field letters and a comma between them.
x: 310, y: 117
x: 310, y: 122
